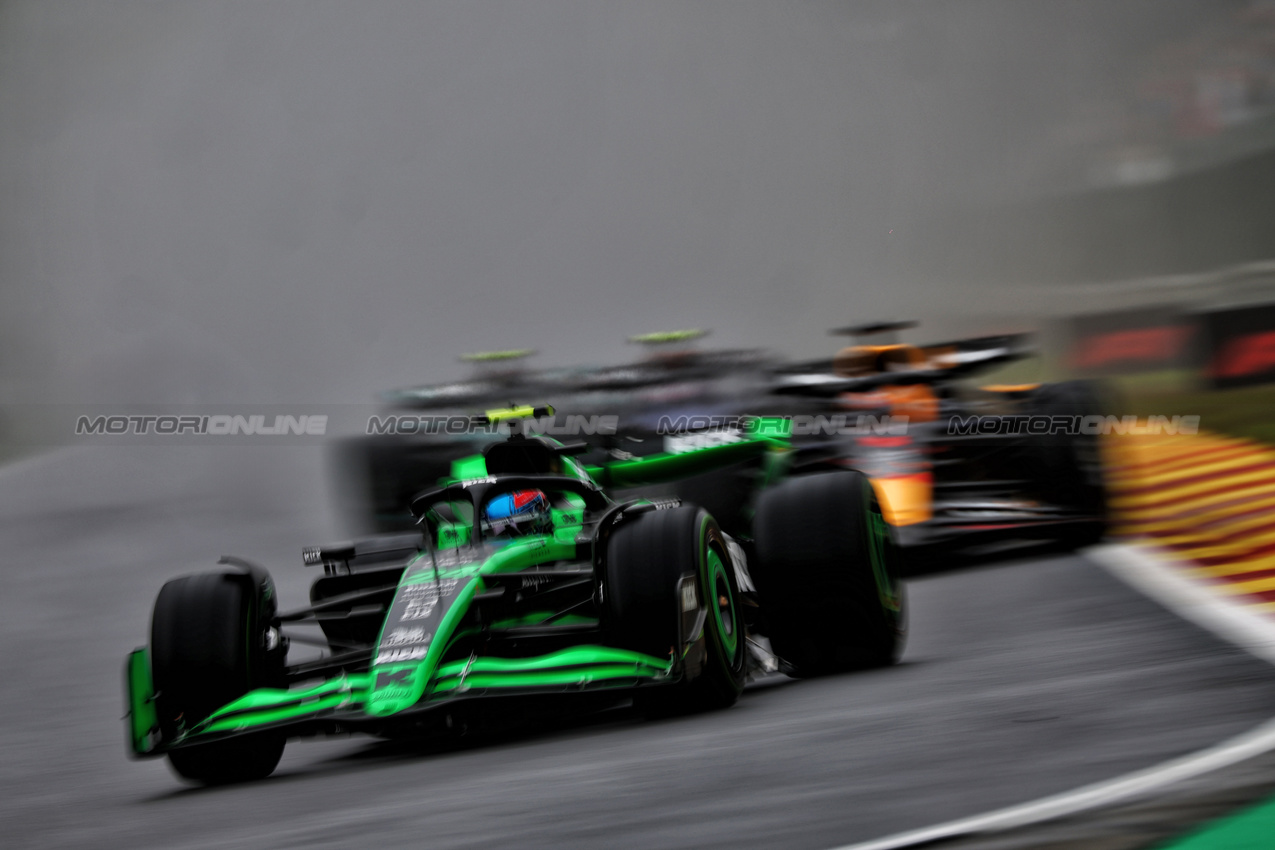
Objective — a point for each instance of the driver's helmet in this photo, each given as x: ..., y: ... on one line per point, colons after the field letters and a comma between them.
x: 517, y: 513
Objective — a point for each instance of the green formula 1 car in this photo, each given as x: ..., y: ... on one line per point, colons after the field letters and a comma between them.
x: 527, y: 584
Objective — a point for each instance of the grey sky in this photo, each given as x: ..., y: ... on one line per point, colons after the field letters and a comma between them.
x: 309, y: 201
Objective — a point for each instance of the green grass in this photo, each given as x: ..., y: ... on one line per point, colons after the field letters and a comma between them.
x: 1245, y: 412
x: 1251, y: 829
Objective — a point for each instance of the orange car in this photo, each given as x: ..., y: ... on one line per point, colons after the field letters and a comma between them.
x: 955, y: 464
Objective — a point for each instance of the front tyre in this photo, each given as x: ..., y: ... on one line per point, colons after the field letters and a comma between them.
x: 647, y: 559
x: 208, y: 647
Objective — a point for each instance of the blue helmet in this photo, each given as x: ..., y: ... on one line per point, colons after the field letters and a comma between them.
x: 513, y: 511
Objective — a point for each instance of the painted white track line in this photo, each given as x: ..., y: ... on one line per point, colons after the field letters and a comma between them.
x: 1157, y: 575
x: 1231, y: 619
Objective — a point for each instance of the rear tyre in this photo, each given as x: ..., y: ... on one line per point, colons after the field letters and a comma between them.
x: 208, y: 647
x: 828, y: 574
x: 1072, y: 469
x: 646, y: 559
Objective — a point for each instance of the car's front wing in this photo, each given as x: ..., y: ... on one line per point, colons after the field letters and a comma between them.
x: 344, y: 698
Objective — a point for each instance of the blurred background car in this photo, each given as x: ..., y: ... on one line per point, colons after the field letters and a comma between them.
x: 963, y: 470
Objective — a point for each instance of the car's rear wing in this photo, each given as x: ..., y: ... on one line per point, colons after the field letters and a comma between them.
x: 944, y: 362
x: 1021, y: 343
x: 760, y: 437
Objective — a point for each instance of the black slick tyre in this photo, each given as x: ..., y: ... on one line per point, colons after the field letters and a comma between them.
x: 827, y: 573
x: 208, y: 648
x: 646, y: 560
x: 1072, y: 466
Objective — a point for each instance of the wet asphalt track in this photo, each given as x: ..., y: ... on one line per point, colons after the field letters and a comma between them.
x: 1021, y: 679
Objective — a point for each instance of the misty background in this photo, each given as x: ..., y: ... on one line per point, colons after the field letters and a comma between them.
x: 284, y: 205
x: 309, y: 202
